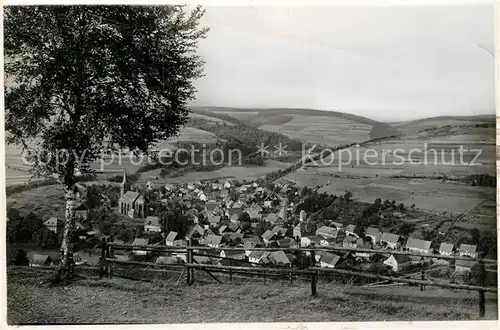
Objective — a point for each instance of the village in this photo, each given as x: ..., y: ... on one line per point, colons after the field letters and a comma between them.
x: 226, y: 213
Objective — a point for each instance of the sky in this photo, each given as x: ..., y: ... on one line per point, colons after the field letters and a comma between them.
x: 385, y: 63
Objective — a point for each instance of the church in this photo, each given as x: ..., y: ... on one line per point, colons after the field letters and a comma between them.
x: 131, y: 203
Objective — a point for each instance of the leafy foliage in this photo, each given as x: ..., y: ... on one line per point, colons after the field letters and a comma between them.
x: 81, y: 77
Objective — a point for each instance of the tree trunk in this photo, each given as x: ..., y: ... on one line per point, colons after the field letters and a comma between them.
x: 67, y: 267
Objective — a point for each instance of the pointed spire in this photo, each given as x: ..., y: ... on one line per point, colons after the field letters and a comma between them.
x: 122, y: 185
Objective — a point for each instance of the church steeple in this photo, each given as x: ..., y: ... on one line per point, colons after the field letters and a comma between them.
x: 122, y: 185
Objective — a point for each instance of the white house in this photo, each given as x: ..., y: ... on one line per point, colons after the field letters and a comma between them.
x: 397, y: 262
x: 169, y: 240
x: 467, y: 250
x: 350, y: 242
x: 446, y: 249
x: 54, y: 224
x: 392, y: 241
x: 418, y: 245
x: 152, y: 224
x: 374, y: 233
x: 202, y: 197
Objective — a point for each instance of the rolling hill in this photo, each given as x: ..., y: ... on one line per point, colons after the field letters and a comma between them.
x: 315, y: 126
x: 419, y: 125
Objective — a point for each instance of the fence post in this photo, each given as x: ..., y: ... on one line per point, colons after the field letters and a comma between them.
x: 422, y: 276
x: 482, y: 280
x: 103, y: 256
x: 291, y: 274
x: 313, y: 275
x: 189, y: 279
x: 230, y: 272
x: 111, y: 252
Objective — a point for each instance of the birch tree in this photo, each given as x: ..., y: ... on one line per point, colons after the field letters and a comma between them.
x: 81, y: 75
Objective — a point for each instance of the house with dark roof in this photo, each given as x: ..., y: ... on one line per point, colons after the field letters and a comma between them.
x: 231, y: 254
x: 308, y: 240
x: 195, y: 229
x: 39, y: 260
x: 327, y: 232
x: 285, y: 242
x: 234, y: 211
x: 54, y: 224
x: 213, y: 241
x: 467, y: 250
x: 256, y: 208
x: 253, y: 214
x: 234, y: 236
x: 211, y: 206
x: 271, y: 218
x: 268, y: 236
x: 249, y: 245
x: 213, y: 220
x: 353, y: 230
x: 418, y: 245
x: 234, y: 227
x: 374, y: 234
x: 391, y: 241
x: 350, y: 242
x: 397, y: 262
x: 446, y: 249
x: 361, y: 244
x: 82, y: 211
x: 329, y: 260
x: 259, y: 257
x: 279, y: 231
x: 169, y: 240
x: 139, y: 242
x: 152, y: 224
x: 223, y: 229
x: 279, y: 258
x: 337, y: 225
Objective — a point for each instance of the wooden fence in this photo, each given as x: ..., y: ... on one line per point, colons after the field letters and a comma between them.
x: 108, y: 261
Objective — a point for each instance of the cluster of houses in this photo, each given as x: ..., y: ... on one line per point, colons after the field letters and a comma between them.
x: 221, y: 226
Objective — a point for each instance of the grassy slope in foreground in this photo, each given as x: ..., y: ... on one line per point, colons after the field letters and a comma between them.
x: 125, y: 301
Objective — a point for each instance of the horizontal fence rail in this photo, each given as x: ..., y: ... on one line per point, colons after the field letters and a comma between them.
x: 246, y: 267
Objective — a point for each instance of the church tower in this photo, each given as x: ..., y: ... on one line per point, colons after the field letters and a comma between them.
x: 123, y: 184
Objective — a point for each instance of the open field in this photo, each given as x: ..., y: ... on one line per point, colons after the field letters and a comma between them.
x: 123, y: 301
x: 328, y: 130
x: 428, y: 195
x: 239, y: 173
x: 316, y: 126
x: 46, y: 201
x: 415, y: 126
x: 16, y: 170
x: 429, y: 154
